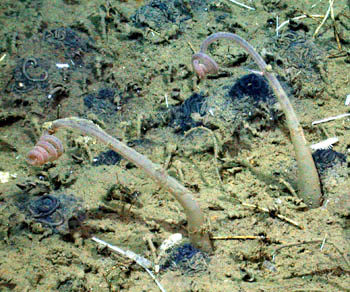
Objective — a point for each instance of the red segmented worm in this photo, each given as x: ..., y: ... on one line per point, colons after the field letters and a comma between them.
x: 48, y: 148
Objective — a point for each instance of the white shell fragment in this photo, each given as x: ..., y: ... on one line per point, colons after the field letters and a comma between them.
x: 171, y: 241
x: 325, y: 144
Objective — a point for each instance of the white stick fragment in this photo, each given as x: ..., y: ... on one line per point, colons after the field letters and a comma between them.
x: 330, y: 119
x: 325, y: 144
x: 241, y: 4
x: 323, y: 241
x: 166, y: 100
x: 324, y: 18
x: 297, y: 18
x: 143, y: 262
x: 314, y: 5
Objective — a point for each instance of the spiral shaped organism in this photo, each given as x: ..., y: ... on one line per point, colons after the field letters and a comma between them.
x: 204, y: 65
x: 48, y: 148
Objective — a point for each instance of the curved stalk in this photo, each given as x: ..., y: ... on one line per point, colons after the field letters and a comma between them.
x: 308, y: 180
x: 198, y: 234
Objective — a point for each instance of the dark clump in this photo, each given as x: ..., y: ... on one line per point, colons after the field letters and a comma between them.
x: 53, y: 211
x: 160, y: 14
x: 122, y: 193
x: 101, y: 100
x: 57, y: 58
x: 186, y: 258
x: 182, y: 116
x: 22, y: 79
x: 102, y: 103
x: 253, y: 86
x: 326, y: 158
x: 45, y: 210
x: 254, y: 101
x: 303, y: 62
x: 109, y: 157
x: 44, y: 206
x: 71, y: 42
x: 66, y: 37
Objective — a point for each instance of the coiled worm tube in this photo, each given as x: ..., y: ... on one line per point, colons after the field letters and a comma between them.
x: 48, y: 148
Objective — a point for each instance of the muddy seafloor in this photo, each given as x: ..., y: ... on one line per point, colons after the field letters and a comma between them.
x: 130, y: 72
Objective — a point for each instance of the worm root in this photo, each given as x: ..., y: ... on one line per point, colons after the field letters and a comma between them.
x: 48, y: 148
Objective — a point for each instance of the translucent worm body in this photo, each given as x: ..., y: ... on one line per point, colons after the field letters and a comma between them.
x: 48, y: 148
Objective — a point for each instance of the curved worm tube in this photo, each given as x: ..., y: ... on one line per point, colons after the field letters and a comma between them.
x: 308, y: 179
x: 48, y: 148
x: 196, y: 224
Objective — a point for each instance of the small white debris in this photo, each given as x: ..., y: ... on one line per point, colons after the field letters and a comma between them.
x: 325, y: 144
x: 2, y: 57
x: 166, y: 100
x: 330, y: 119
x: 347, y: 100
x: 171, y: 241
x: 4, y: 177
x: 256, y: 72
x: 278, y: 201
x: 62, y: 65
x: 325, y: 204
